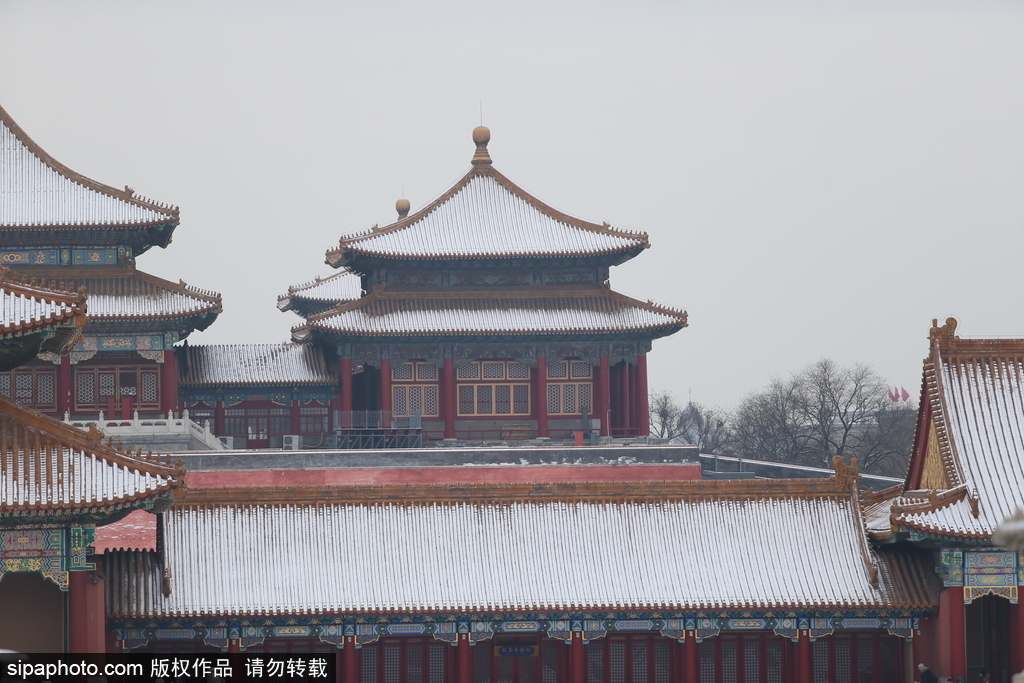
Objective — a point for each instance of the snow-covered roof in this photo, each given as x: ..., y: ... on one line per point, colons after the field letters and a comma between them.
x: 121, y: 294
x: 342, y: 287
x: 254, y: 364
x: 48, y: 468
x: 27, y: 307
x: 487, y: 215
x: 442, y: 312
x: 38, y: 191
x: 520, y: 547
x: 974, y: 416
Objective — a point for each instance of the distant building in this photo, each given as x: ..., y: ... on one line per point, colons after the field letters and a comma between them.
x: 56, y: 224
x: 489, y: 314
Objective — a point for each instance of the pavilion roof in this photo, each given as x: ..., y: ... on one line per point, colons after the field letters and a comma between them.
x: 37, y: 191
x: 27, y: 307
x: 486, y: 215
x: 795, y: 544
x: 117, y: 293
x: 339, y: 288
x: 967, y: 472
x: 253, y: 364
x: 50, y: 470
x: 592, y: 310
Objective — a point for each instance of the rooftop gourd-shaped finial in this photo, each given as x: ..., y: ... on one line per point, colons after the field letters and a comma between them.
x: 402, y: 207
x: 481, y: 136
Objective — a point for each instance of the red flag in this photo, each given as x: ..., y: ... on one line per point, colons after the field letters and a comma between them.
x: 892, y: 396
x: 905, y: 395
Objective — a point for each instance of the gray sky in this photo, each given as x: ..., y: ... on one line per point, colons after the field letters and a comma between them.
x: 818, y: 178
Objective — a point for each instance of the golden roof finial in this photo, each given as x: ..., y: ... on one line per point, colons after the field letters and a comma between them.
x: 481, y: 136
x: 402, y: 207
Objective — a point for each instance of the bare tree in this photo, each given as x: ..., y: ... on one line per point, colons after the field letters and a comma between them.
x: 768, y: 424
x: 708, y: 428
x: 665, y: 415
x: 823, y: 411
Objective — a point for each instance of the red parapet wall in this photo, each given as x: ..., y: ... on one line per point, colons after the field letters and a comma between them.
x: 445, y: 475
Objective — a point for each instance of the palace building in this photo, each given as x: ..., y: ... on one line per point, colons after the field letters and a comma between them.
x: 966, y: 476
x: 486, y: 313
x: 56, y: 224
x: 57, y: 484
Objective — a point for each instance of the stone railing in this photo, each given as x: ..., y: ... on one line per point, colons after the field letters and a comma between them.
x: 124, y: 430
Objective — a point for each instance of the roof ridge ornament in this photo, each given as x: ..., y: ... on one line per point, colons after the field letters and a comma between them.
x: 944, y: 335
x: 402, y: 206
x: 481, y: 136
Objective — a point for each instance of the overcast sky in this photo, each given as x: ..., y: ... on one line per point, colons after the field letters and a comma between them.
x: 818, y: 178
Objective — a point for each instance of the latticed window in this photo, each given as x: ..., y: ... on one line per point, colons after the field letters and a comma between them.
x: 280, y: 421
x: 520, y: 660
x: 313, y: 419
x: 865, y: 657
x: 740, y: 658
x: 150, y: 390
x: 495, y: 394
x: 407, y: 372
x: 580, y: 369
x: 85, y: 389
x: 414, y: 399
x: 95, y: 386
x: 570, y: 399
x: 494, y: 399
x: 467, y: 370
x: 518, y: 371
x: 493, y: 370
x: 35, y: 387
x: 558, y: 369
x: 403, y: 660
x: 628, y: 659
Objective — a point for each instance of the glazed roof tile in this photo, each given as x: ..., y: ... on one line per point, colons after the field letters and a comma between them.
x: 342, y: 287
x: 38, y: 191
x: 48, y: 468
x: 487, y: 215
x: 125, y: 294
x: 512, y: 312
x: 27, y: 307
x: 407, y: 550
x: 254, y: 364
x: 975, y: 389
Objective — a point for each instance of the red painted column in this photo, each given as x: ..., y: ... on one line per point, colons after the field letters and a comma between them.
x: 464, y: 660
x: 691, y: 658
x: 295, y: 417
x: 345, y: 379
x: 169, y: 383
x: 87, y: 622
x: 577, y: 659
x: 955, y: 639
x: 542, y: 396
x: 448, y: 400
x: 627, y: 422
x: 350, y: 661
x: 804, y: 662
x: 77, y: 619
x: 643, y: 411
x: 385, y: 384
x: 218, y: 418
x: 602, y: 395
x: 64, y: 386
x: 1017, y: 633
